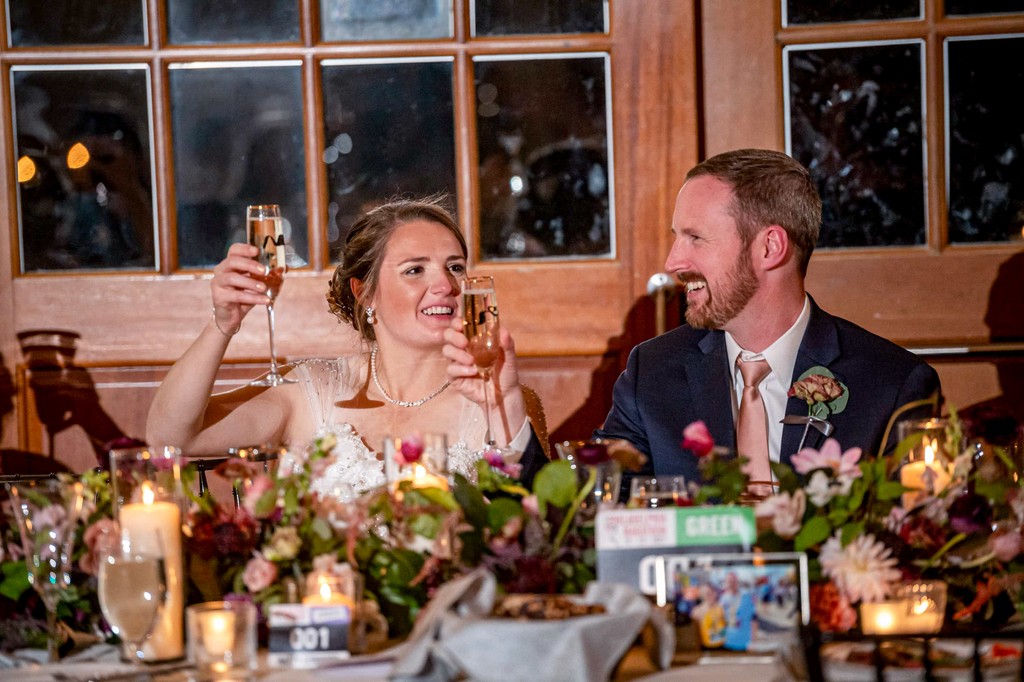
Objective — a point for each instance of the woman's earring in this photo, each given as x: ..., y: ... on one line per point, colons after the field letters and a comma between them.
x: 371, y: 316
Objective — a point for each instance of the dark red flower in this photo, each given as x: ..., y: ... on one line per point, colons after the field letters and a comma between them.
x: 592, y: 453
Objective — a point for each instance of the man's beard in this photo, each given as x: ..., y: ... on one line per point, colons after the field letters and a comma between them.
x: 730, y: 297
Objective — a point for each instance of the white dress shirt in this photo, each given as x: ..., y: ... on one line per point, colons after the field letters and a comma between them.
x: 774, y: 389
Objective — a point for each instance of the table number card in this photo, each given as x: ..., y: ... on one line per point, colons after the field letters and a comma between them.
x: 305, y: 636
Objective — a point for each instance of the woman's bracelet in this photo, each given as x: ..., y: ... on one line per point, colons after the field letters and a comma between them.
x: 217, y: 324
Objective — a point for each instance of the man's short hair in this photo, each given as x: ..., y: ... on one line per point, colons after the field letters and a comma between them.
x: 769, y: 188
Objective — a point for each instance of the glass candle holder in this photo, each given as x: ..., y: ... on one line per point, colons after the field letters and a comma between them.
x: 925, y: 604
x: 147, y: 500
x: 586, y: 456
x: 222, y: 640
x: 928, y: 465
x: 416, y: 461
x: 338, y: 586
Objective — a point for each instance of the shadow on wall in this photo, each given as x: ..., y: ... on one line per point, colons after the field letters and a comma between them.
x: 638, y: 326
x: 64, y: 394
x: 1005, y: 320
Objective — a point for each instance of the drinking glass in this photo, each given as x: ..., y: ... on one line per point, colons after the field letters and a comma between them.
x: 480, y: 325
x: 657, y: 492
x: 264, y: 229
x: 47, y: 513
x: 132, y: 590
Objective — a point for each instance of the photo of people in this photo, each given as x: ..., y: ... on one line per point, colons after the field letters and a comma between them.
x: 738, y: 606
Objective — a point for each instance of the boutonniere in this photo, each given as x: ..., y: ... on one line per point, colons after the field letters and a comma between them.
x: 825, y: 396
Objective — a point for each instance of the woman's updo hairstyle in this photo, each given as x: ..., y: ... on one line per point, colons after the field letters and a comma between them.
x: 363, y: 253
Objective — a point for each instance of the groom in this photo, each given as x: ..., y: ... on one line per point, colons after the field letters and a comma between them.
x: 744, y: 226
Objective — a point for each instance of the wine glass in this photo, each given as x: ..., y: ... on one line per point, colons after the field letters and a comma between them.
x: 47, y: 513
x: 657, y: 492
x: 264, y: 229
x: 132, y: 588
x: 480, y: 325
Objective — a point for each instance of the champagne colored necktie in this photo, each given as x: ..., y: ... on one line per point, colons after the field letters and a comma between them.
x: 752, y: 425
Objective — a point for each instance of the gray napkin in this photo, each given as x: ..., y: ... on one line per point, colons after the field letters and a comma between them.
x: 454, y: 637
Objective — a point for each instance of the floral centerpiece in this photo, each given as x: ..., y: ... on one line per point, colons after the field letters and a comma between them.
x: 846, y: 511
x: 22, y: 613
x: 405, y: 541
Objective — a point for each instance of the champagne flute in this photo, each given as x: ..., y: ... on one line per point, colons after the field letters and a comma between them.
x: 47, y: 513
x: 132, y: 588
x: 264, y: 229
x: 480, y: 325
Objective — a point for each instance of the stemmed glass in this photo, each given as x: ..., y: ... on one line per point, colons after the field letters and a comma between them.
x: 132, y: 588
x: 264, y: 229
x: 480, y: 325
x: 47, y: 513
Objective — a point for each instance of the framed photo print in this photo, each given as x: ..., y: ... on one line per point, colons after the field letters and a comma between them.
x: 751, y: 602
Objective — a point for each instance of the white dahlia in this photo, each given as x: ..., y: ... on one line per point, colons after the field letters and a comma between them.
x: 864, y: 570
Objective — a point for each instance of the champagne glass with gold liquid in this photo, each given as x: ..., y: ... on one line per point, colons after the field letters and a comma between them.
x: 480, y: 325
x: 264, y: 229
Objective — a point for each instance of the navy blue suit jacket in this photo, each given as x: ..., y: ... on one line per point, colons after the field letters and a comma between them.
x: 684, y: 376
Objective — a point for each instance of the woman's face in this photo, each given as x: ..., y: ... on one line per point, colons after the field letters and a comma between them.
x: 419, y: 284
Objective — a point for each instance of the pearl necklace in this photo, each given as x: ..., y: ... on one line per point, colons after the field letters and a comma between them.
x: 400, y: 403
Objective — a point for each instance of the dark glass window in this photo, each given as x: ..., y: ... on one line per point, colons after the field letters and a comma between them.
x: 986, y: 139
x: 836, y: 11
x: 389, y: 130
x: 385, y: 19
x: 237, y: 141
x: 85, y: 193
x: 543, y: 150
x: 76, y: 22
x: 855, y: 119
x: 232, y: 21
x: 967, y: 7
x: 517, y: 17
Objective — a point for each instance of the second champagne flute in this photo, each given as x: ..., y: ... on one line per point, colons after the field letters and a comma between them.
x: 480, y: 325
x: 264, y: 229
x: 132, y: 588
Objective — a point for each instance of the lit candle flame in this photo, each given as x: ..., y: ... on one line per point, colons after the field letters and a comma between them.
x: 929, y: 452
x: 147, y: 493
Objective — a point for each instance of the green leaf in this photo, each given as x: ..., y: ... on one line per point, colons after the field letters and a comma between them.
x: 851, y: 531
x: 814, y: 531
x: 266, y: 503
x: 426, y: 525
x: 555, y: 484
x: 15, y: 581
x: 442, y: 498
x: 906, y: 445
x: 838, y: 517
x: 321, y: 529
x: 500, y: 511
x: 890, y: 490
x: 474, y: 506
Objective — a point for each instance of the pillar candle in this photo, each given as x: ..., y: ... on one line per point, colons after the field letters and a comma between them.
x: 154, y: 529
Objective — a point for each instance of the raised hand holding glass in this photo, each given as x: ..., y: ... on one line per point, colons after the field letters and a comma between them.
x: 482, y: 330
x: 265, y: 230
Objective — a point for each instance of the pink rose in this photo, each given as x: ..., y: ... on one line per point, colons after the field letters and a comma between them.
x: 257, y: 489
x: 259, y: 574
x: 1005, y: 545
x: 411, y: 450
x: 99, y: 537
x: 697, y: 439
x: 817, y: 388
x: 530, y: 505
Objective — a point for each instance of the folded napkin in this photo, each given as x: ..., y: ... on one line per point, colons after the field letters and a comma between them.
x: 454, y: 637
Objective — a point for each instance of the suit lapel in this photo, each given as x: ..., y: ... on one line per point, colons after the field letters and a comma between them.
x: 820, y: 347
x: 712, y: 386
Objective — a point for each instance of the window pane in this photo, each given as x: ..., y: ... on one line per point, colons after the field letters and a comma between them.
x: 389, y: 130
x: 74, y: 22
x: 964, y: 7
x: 545, y: 172
x: 835, y: 11
x: 385, y: 19
x: 986, y: 139
x: 84, y: 171
x: 232, y: 21
x: 855, y: 119
x: 512, y: 17
x: 237, y: 141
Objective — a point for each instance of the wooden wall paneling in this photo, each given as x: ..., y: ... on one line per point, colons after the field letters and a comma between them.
x: 8, y: 266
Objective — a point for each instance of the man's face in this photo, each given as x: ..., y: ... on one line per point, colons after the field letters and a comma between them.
x: 707, y: 255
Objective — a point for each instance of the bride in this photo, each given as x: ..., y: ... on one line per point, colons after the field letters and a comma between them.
x: 398, y: 285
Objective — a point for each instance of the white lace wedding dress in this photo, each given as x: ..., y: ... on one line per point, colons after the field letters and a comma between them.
x: 355, y: 467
